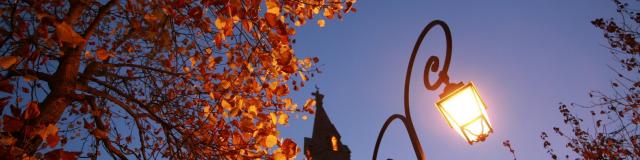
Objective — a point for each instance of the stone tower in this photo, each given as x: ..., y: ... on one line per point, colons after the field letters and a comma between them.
x: 325, y: 141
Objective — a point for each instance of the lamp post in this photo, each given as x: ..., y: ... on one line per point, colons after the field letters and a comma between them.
x: 460, y: 104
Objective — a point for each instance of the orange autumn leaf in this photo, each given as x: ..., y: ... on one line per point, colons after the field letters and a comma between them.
x: 31, y: 111
x: 289, y: 148
x: 279, y: 156
x: 212, y: 95
x: 321, y: 22
x: 8, y: 61
x: 88, y: 55
x: 102, y: 54
x: 225, y: 84
x: 66, y: 34
x: 328, y: 13
x: 308, y: 104
x: 150, y: 18
x: 52, y: 140
x: 208, y: 50
x: 272, y: 19
x: 47, y: 131
x: 225, y: 104
x: 7, y: 140
x: 29, y: 78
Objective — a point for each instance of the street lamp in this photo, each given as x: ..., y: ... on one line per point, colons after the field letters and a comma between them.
x: 465, y: 112
x: 460, y: 104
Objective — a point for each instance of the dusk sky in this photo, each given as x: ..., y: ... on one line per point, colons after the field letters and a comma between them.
x: 525, y: 57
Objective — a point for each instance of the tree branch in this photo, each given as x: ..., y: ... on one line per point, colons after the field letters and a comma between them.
x: 100, y: 125
x: 140, y: 67
x: 24, y: 72
x: 96, y: 21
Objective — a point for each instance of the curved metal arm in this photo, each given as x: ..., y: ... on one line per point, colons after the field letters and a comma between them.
x: 433, y: 65
x: 412, y: 134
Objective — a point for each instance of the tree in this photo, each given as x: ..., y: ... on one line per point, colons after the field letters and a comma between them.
x: 148, y: 79
x: 612, y: 131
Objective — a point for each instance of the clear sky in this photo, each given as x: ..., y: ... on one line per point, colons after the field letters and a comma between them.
x: 524, y: 56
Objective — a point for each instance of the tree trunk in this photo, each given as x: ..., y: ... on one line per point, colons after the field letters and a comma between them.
x: 62, y: 84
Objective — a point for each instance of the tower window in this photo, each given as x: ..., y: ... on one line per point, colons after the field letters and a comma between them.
x: 334, y: 143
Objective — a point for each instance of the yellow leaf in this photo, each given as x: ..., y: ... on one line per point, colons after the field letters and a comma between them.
x: 249, y: 67
x: 328, y: 13
x: 213, y: 96
x: 208, y: 51
x: 273, y: 85
x: 193, y: 61
x: 302, y: 76
x: 66, y: 34
x: 284, y: 118
x: 8, y: 61
x: 225, y: 104
x: 321, y: 22
x: 279, y: 156
x: 316, y: 10
x: 206, y: 109
x: 271, y: 141
x: 240, y: 103
x: 235, y: 19
x: 272, y: 7
x: 102, y: 54
x: 287, y: 102
x: 220, y: 23
x: 309, y: 103
x: 274, y: 118
x: 253, y: 110
x: 304, y: 117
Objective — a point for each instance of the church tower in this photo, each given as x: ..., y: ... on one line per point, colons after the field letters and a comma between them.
x: 325, y: 141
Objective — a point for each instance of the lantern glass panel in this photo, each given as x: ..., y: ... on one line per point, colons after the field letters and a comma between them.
x: 466, y: 113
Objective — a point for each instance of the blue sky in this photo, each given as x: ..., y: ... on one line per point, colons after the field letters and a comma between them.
x: 524, y: 56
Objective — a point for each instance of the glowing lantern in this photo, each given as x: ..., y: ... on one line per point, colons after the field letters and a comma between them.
x: 465, y: 112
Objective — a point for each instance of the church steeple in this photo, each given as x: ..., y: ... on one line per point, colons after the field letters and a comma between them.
x: 321, y: 124
x: 325, y: 141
